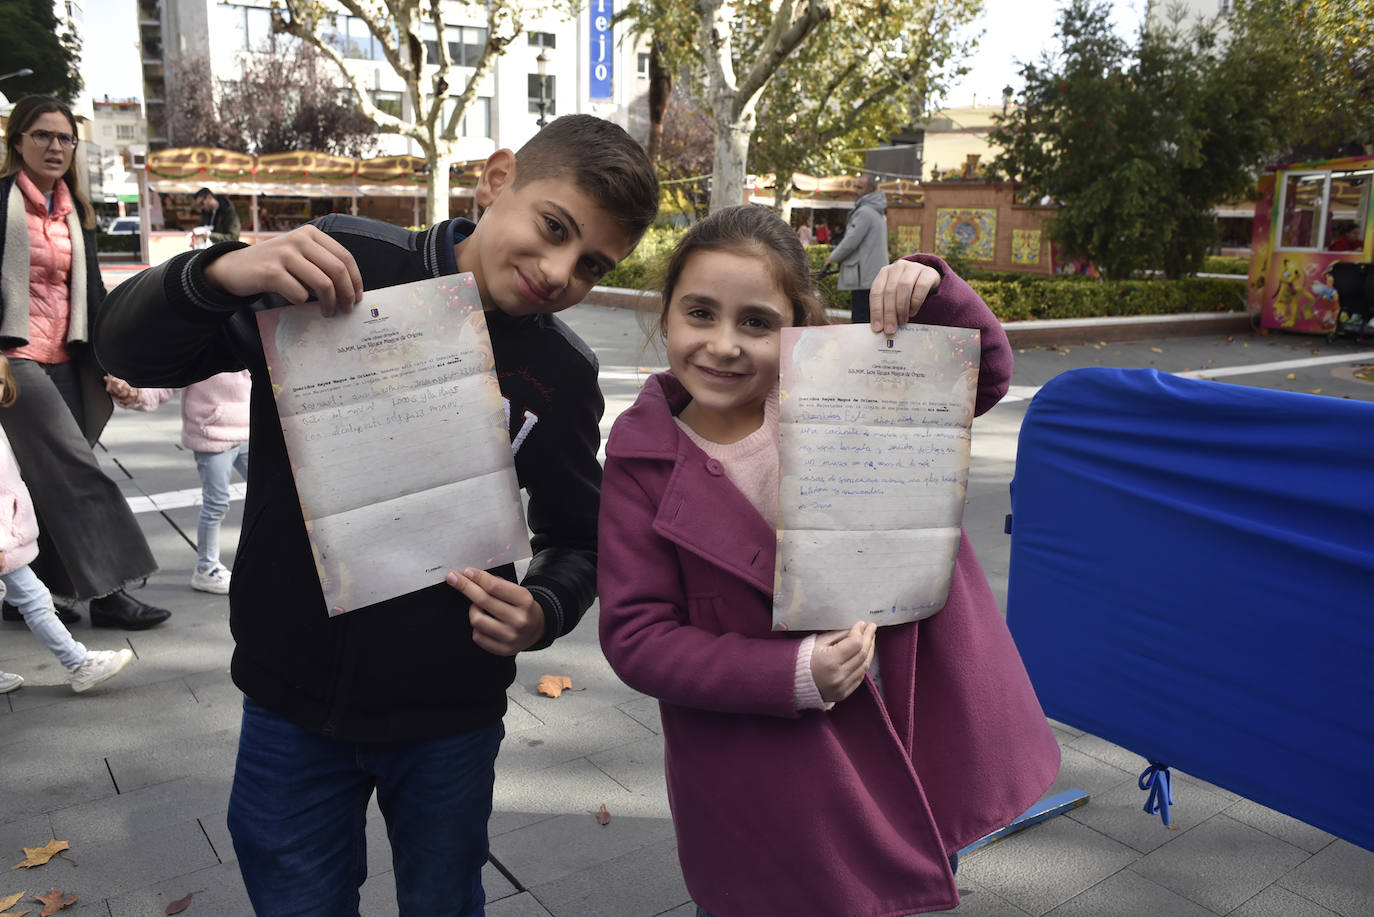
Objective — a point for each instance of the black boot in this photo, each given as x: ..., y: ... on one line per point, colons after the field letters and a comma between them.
x: 65, y: 613
x: 119, y: 609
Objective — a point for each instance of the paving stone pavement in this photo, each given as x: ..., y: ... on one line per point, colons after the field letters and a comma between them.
x: 135, y: 775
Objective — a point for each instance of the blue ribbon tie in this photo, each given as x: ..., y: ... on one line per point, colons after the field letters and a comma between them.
x: 1160, y: 784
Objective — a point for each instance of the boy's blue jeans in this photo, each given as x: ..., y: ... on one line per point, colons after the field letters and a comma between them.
x: 299, y: 803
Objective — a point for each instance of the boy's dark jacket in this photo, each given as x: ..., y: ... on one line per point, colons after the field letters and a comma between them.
x: 406, y: 668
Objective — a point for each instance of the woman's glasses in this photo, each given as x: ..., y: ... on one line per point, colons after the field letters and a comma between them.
x: 44, y: 138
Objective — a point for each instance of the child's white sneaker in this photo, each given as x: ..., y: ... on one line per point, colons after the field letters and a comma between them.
x: 215, y: 580
x: 99, y: 666
x: 9, y: 681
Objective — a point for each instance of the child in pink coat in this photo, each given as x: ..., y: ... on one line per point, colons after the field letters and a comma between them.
x: 800, y: 781
x: 214, y: 425
x: 23, y: 588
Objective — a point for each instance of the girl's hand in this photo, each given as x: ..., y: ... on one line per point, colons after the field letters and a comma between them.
x: 898, y: 293
x: 121, y: 391
x: 841, y: 659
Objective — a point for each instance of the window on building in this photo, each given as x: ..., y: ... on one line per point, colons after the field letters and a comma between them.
x: 389, y: 102
x: 124, y: 131
x: 643, y: 66
x: 249, y: 28
x: 476, y: 120
x: 465, y: 45
x: 543, y: 40
x: 353, y: 39
x: 547, y: 96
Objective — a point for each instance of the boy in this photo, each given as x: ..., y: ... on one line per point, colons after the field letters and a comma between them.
x: 405, y: 696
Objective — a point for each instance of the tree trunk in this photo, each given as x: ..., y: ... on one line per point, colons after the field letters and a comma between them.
x: 660, y: 88
x: 731, y: 154
x: 436, y: 187
x: 782, y: 196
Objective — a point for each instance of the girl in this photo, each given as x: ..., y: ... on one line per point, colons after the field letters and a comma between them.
x: 799, y: 782
x: 214, y: 425
x: 19, y: 546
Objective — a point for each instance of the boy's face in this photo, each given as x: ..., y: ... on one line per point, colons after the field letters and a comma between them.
x: 540, y: 247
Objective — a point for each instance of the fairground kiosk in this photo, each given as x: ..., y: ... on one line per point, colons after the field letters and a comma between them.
x: 1308, y: 216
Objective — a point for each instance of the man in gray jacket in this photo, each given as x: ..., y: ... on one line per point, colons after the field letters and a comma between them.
x: 863, y: 250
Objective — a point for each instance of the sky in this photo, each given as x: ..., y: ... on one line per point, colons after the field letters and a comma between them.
x: 1014, y: 30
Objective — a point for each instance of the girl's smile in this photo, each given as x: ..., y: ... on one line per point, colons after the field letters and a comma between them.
x: 724, y: 332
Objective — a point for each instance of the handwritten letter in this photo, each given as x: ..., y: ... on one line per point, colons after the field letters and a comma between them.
x: 397, y: 438
x: 874, y: 452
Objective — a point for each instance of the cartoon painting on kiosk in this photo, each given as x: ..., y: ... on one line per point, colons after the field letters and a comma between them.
x: 1309, y: 216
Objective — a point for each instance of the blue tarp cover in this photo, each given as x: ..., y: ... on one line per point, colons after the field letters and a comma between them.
x: 1192, y: 578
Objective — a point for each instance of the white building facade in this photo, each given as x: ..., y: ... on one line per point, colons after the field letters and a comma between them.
x: 589, y: 68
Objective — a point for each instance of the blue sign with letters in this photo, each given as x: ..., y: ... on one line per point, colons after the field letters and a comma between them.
x: 603, y: 45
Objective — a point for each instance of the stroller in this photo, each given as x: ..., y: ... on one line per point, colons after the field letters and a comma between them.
x: 1354, y: 285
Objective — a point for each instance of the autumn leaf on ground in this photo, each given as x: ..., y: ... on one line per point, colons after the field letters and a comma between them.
x: 181, y: 904
x: 17, y: 913
x: 553, y: 685
x: 1157, y: 349
x: 603, y: 815
x: 7, y: 903
x: 54, y: 901
x: 1291, y: 376
x: 37, y: 856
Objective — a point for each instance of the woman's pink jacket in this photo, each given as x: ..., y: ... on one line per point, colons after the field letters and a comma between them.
x: 851, y: 811
x: 214, y: 412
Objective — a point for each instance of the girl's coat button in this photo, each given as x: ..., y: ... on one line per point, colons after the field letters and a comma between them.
x: 714, y: 467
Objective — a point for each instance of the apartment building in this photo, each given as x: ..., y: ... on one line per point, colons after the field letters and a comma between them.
x: 587, y: 64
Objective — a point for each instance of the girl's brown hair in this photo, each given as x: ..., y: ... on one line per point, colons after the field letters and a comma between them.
x: 26, y: 111
x: 11, y: 390
x: 752, y: 230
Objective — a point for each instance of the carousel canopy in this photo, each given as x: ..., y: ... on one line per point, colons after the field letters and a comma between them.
x: 302, y: 174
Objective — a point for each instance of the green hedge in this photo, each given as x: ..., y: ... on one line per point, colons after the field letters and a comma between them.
x: 104, y: 242
x: 1014, y: 301
x: 1226, y: 266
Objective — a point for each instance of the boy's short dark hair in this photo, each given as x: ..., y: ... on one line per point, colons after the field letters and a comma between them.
x: 202, y: 194
x: 602, y: 160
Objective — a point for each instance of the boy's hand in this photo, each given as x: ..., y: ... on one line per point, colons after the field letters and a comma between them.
x: 304, y: 262
x: 505, y: 617
x: 841, y: 659
x: 898, y: 292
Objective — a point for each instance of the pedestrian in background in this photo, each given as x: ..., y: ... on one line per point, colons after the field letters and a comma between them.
x: 214, y: 425
x: 50, y: 293
x: 221, y: 220
x: 18, y: 548
x: 862, y: 252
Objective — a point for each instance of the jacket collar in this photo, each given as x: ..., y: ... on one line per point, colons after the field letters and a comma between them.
x: 699, y: 510
x: 648, y: 430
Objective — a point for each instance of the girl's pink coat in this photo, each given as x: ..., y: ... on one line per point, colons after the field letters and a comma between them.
x: 214, y: 412
x: 846, y: 812
x: 18, y: 524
